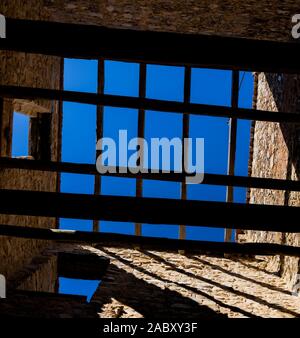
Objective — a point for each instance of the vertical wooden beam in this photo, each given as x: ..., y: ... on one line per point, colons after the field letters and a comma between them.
x: 238, y: 232
x: 6, y: 127
x: 99, y: 132
x: 60, y: 111
x: 185, y: 134
x: 40, y: 137
x: 141, y: 134
x: 59, y: 128
x: 232, y: 142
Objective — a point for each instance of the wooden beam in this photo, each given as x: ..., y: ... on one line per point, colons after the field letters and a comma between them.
x: 149, y: 243
x: 99, y: 133
x: 90, y: 169
x: 147, y: 104
x: 141, y: 135
x: 75, y: 40
x: 185, y: 135
x: 235, y: 82
x: 59, y: 130
x: 40, y: 137
x: 151, y: 210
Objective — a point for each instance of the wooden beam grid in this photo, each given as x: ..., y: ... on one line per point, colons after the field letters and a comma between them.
x: 169, y: 48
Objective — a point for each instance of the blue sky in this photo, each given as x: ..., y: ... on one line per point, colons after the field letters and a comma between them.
x: 165, y: 83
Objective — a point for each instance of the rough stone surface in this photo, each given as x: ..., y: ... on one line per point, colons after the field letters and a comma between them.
x: 276, y: 155
x: 46, y: 305
x: 32, y: 277
x: 156, y: 285
x: 35, y: 71
x: 263, y: 19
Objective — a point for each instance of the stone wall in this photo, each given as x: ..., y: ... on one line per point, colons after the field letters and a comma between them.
x: 46, y: 305
x: 265, y: 19
x: 276, y: 155
x: 157, y: 285
x: 35, y: 71
x: 32, y: 277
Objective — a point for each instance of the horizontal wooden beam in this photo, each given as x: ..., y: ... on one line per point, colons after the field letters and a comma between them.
x: 147, y: 104
x: 149, y: 243
x: 80, y: 41
x: 151, y: 210
x: 90, y: 169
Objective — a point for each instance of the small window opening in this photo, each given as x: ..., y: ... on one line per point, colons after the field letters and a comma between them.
x: 31, y: 136
x: 20, y: 135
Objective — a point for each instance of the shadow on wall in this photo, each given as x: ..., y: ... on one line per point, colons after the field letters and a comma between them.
x: 147, y: 284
